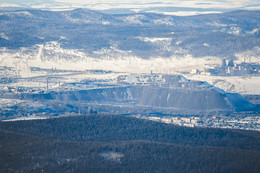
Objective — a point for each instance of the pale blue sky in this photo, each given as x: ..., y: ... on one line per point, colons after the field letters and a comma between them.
x: 175, y: 7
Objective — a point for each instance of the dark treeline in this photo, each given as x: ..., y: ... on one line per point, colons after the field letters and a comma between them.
x: 76, y: 144
x: 119, y: 128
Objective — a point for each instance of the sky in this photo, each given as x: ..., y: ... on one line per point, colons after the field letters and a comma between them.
x: 171, y: 7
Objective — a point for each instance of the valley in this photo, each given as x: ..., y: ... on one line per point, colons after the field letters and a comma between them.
x: 154, y: 87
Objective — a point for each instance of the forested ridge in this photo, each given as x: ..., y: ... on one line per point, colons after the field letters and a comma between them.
x: 78, y: 144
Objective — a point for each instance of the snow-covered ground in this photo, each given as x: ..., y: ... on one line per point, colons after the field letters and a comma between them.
x: 52, y: 56
x: 118, y: 61
x: 26, y: 118
x: 234, y: 84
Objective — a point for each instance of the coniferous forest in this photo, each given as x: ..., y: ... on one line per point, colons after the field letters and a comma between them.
x: 109, y: 143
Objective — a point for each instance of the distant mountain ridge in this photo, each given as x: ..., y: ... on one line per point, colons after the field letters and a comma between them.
x: 220, y: 35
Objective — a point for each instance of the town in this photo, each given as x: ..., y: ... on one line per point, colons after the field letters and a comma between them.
x: 238, y: 121
x: 230, y: 68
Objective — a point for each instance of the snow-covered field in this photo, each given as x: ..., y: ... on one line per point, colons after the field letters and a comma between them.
x: 109, y: 59
x: 118, y: 62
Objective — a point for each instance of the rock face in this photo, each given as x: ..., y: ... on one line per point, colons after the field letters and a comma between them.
x: 156, y: 91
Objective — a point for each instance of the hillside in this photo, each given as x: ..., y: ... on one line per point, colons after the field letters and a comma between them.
x: 126, y: 94
x: 172, y: 92
x: 144, y: 35
x: 123, y: 144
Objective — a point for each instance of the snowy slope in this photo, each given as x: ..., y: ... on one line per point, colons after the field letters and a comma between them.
x: 235, y: 84
x: 171, y: 92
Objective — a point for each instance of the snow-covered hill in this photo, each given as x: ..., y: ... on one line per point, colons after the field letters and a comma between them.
x: 219, y: 35
x: 159, y: 92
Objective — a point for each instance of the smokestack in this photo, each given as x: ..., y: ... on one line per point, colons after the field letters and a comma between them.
x: 231, y: 63
x: 223, y: 65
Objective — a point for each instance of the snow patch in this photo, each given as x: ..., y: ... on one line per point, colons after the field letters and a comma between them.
x: 9, y: 5
x: 21, y: 13
x: 112, y: 156
x: 155, y: 39
x: 189, y: 13
x: 233, y: 30
x: 254, y: 31
x: 206, y: 44
x: 168, y: 97
x: 134, y: 19
x: 164, y: 21
x: 4, y: 36
x: 27, y: 118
